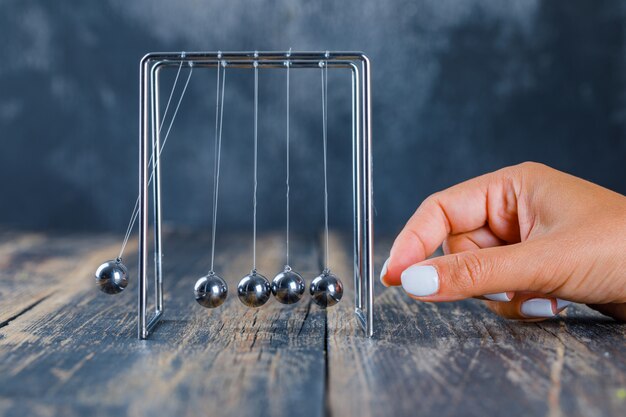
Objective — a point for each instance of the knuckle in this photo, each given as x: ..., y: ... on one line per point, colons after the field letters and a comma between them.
x: 531, y: 167
x: 431, y: 200
x: 469, y: 269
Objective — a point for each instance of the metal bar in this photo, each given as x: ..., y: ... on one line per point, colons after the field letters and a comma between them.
x: 255, y: 56
x: 361, y: 319
x: 156, y: 193
x: 361, y: 218
x: 358, y: 197
x: 355, y: 185
x: 250, y: 64
x: 143, y: 193
x: 369, y: 205
x: 153, y: 322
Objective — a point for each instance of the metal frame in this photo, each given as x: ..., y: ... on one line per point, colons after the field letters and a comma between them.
x: 358, y: 64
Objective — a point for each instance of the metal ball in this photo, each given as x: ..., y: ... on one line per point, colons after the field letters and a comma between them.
x: 254, y: 290
x: 112, y: 276
x: 288, y: 286
x: 210, y: 291
x: 326, y: 289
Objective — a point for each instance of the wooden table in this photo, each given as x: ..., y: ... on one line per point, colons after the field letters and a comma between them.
x: 68, y: 349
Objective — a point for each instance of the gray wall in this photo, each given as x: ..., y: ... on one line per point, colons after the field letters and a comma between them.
x: 460, y: 88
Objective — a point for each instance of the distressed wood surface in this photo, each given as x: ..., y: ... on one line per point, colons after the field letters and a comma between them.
x: 67, y: 349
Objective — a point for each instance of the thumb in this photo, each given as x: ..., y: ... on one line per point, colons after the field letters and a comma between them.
x: 517, y: 267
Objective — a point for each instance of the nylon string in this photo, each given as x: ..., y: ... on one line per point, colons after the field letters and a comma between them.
x: 155, y: 161
x: 324, y: 72
x: 219, y: 114
x: 256, y: 132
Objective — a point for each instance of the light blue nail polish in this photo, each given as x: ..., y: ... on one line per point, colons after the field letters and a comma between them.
x: 537, y: 308
x: 420, y: 281
x: 500, y: 296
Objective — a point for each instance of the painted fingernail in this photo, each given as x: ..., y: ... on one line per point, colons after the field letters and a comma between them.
x: 383, y: 272
x: 560, y: 303
x: 420, y: 280
x: 500, y: 296
x: 537, y: 307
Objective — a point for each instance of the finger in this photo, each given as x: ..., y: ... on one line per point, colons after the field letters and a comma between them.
x: 529, y: 306
x: 488, y: 199
x: 480, y: 238
x: 518, y: 267
x: 474, y: 240
x: 615, y: 310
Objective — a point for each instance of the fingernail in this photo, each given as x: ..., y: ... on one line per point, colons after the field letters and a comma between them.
x: 420, y: 280
x: 537, y: 307
x: 560, y: 303
x: 500, y: 296
x: 383, y: 272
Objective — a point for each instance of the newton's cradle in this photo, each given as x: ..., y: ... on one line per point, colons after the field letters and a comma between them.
x: 254, y: 290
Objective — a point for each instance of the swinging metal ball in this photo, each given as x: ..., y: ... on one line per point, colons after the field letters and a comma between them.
x: 210, y: 291
x: 254, y: 290
x: 288, y: 286
x: 326, y: 289
x: 112, y: 276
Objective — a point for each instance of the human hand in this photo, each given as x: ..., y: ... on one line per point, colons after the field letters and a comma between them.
x: 528, y: 235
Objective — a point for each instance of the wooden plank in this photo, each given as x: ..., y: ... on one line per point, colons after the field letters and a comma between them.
x: 459, y: 359
x: 33, y: 266
x: 76, y: 352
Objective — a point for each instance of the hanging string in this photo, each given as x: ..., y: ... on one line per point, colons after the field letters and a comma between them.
x: 219, y: 114
x: 135, y: 213
x: 324, y: 72
x: 287, y: 180
x: 256, y: 131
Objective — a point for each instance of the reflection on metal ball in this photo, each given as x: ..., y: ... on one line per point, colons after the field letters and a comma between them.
x: 211, y: 291
x: 288, y: 286
x: 326, y: 289
x: 254, y: 290
x: 112, y: 276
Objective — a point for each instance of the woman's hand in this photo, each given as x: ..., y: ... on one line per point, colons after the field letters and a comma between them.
x: 528, y: 236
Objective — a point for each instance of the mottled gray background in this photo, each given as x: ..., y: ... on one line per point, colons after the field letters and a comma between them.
x: 460, y: 87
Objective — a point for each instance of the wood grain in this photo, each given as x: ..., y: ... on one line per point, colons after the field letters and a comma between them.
x: 459, y: 359
x: 75, y: 352
x: 67, y: 349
